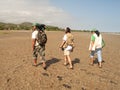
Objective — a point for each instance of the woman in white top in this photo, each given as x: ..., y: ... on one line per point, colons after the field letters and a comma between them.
x: 67, y: 44
x: 96, y: 47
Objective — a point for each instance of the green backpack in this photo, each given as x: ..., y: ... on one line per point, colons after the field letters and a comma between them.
x: 103, y: 43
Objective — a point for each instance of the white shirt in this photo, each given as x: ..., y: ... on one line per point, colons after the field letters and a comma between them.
x: 98, y: 41
x: 68, y: 48
x: 35, y: 36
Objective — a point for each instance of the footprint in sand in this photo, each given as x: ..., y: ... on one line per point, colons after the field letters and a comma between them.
x: 67, y: 86
x: 45, y: 74
x: 59, y: 78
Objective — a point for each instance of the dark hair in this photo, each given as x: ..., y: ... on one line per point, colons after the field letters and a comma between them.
x: 40, y: 27
x: 68, y: 30
x: 97, y: 32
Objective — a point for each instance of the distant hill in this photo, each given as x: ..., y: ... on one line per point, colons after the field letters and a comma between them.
x: 28, y: 26
x: 24, y: 26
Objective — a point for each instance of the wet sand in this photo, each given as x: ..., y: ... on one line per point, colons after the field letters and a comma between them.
x: 17, y: 72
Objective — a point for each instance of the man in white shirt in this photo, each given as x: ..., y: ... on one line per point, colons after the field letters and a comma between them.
x: 36, y: 48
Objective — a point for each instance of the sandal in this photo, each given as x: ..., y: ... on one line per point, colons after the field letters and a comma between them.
x: 91, y: 64
x: 44, y: 66
x: 71, y: 67
x: 34, y: 65
x: 65, y: 64
x: 100, y: 66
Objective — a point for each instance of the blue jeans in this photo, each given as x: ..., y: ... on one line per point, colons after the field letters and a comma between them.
x: 97, y: 51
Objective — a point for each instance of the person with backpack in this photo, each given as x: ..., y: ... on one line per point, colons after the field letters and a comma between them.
x: 96, y: 47
x: 67, y: 45
x: 39, y: 39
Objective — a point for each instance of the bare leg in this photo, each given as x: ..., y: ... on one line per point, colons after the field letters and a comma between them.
x: 43, y: 62
x: 91, y: 60
x: 66, y: 60
x: 100, y: 64
x: 35, y: 62
x: 70, y: 62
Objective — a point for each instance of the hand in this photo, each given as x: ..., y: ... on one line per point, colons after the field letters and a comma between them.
x: 60, y: 46
x: 62, y: 49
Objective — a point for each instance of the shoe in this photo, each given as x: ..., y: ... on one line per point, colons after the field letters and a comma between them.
x: 100, y: 66
x: 44, y: 66
x: 65, y: 64
x: 35, y: 65
x: 91, y: 64
x: 71, y: 67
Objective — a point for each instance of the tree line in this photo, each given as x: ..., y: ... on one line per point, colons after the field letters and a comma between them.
x: 28, y: 26
x: 24, y: 26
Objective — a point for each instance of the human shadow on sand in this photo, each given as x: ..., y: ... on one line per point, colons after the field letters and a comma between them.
x: 76, y: 60
x: 51, y: 61
x: 96, y: 61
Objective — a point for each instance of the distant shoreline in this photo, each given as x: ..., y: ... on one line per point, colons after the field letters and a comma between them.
x: 112, y: 33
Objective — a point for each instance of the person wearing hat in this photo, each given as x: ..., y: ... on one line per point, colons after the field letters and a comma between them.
x: 38, y: 48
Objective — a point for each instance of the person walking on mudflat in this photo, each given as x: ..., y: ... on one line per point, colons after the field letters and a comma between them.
x: 96, y: 47
x: 39, y: 39
x: 68, y: 45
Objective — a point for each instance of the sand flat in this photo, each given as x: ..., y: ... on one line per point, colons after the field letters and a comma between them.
x: 17, y: 72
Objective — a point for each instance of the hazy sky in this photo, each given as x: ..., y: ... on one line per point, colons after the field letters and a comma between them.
x: 103, y: 15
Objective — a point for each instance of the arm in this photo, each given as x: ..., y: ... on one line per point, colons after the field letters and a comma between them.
x: 34, y: 38
x: 63, y: 42
x: 92, y: 42
x: 33, y: 44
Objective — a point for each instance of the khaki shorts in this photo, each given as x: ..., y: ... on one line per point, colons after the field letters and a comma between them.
x: 66, y: 52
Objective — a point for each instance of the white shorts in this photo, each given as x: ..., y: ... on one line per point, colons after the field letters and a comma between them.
x: 67, y: 50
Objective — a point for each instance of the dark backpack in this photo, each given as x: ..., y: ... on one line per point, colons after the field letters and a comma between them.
x: 42, y: 38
